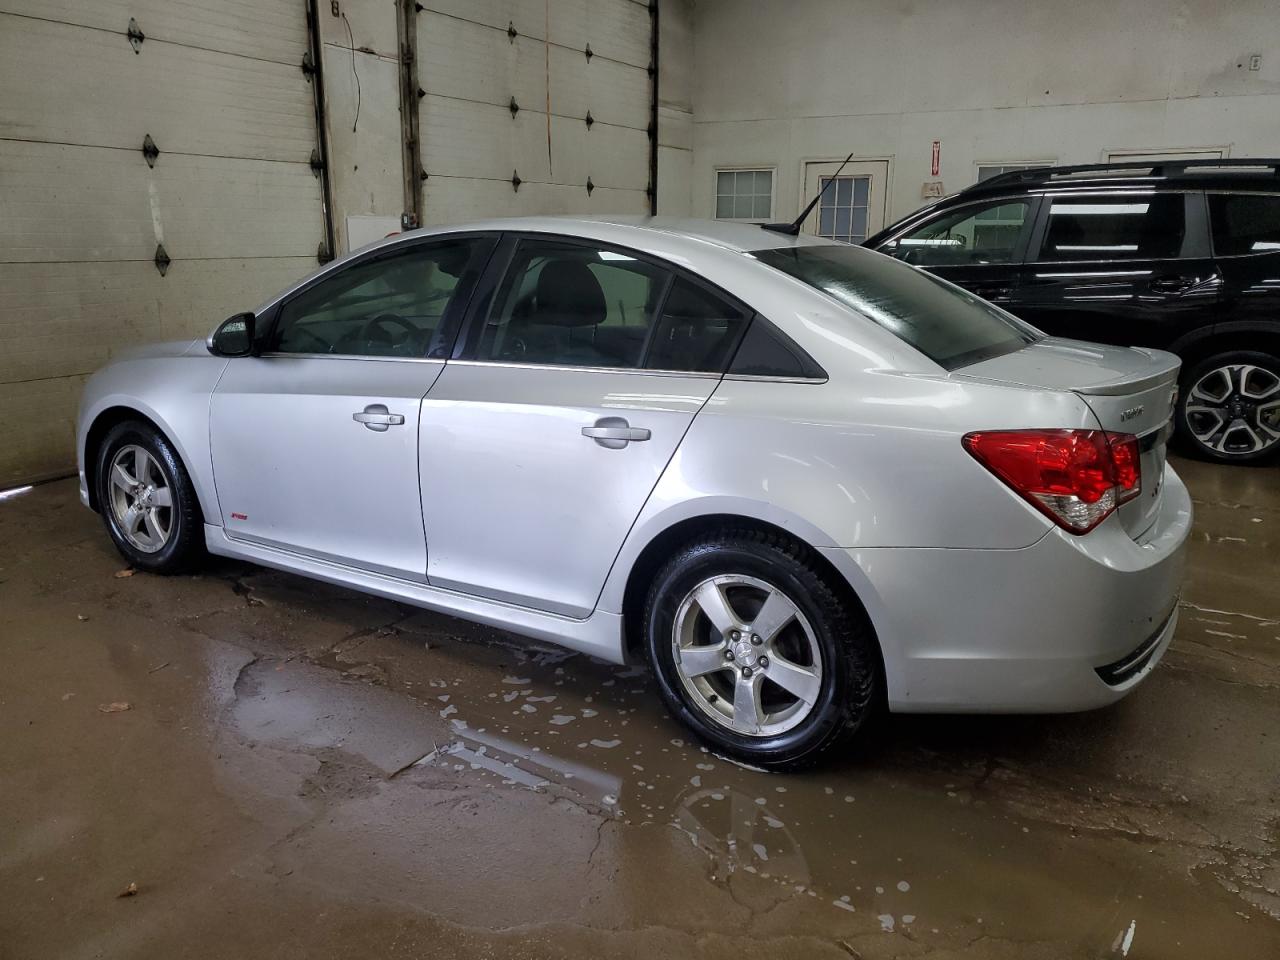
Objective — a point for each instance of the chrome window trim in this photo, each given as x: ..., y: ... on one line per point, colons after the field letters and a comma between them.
x: 766, y: 378
x: 568, y: 368
x: 347, y: 356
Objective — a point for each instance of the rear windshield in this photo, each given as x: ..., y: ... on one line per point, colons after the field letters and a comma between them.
x: 951, y: 327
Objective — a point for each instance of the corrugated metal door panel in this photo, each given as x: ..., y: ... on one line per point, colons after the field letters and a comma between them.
x: 614, y: 92
x: 52, y: 314
x: 86, y: 203
x: 232, y: 196
x: 618, y: 29
x: 470, y: 69
x: 266, y: 29
x: 38, y: 430
x: 188, y: 100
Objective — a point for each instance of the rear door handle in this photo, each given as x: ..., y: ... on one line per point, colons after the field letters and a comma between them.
x: 376, y: 417
x: 1173, y: 284
x: 615, y: 433
x: 993, y: 293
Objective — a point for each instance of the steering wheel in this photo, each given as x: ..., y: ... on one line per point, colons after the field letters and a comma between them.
x: 325, y: 345
x: 375, y: 323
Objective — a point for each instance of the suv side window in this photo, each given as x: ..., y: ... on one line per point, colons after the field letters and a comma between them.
x: 1244, y: 223
x: 572, y: 304
x: 971, y: 235
x: 1146, y: 227
x: 388, y: 306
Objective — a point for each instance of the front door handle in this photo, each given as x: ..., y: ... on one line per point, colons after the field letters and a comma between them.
x: 376, y: 417
x: 615, y: 433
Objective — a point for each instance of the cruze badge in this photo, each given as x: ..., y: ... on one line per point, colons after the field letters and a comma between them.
x: 1131, y: 413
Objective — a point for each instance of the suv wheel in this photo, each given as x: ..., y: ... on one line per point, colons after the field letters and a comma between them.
x: 757, y: 652
x: 147, y: 500
x: 1229, y: 407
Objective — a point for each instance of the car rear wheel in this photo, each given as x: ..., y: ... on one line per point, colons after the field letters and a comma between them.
x: 758, y: 651
x: 1229, y: 407
x: 147, y: 501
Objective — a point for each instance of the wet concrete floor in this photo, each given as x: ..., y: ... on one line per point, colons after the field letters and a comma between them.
x: 303, y: 771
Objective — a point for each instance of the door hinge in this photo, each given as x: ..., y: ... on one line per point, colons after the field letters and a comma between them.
x: 317, y: 164
x: 513, y: 107
x: 135, y: 35
x: 515, y: 181
x: 162, y: 260
x: 149, y: 150
x: 323, y: 253
x: 590, y: 119
x: 308, y: 65
x: 590, y: 186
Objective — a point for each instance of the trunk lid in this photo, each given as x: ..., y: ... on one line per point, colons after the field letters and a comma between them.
x: 1129, y: 389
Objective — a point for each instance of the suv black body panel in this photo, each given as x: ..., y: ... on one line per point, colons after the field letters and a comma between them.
x: 1180, y: 295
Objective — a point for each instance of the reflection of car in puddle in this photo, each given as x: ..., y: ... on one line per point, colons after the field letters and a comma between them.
x: 738, y: 833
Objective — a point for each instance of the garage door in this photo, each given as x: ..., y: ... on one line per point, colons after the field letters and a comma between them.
x: 511, y: 124
x: 230, y: 196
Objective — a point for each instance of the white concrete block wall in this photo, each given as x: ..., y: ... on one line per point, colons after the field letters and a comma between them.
x: 780, y: 83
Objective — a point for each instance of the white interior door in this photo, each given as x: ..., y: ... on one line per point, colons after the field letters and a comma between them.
x: 853, y: 207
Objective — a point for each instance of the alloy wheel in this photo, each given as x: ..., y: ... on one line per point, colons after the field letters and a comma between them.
x: 141, y: 499
x: 746, y: 656
x: 1235, y: 409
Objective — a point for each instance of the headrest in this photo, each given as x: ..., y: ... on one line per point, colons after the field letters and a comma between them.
x: 568, y: 295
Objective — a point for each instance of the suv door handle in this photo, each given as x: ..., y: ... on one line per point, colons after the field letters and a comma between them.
x: 994, y: 293
x: 1173, y: 284
x: 615, y: 433
x: 376, y: 417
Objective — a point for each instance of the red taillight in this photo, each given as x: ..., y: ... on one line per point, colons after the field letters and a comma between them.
x: 1075, y: 477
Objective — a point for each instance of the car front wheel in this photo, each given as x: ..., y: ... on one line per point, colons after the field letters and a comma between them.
x: 147, y: 500
x: 1229, y: 407
x: 758, y: 651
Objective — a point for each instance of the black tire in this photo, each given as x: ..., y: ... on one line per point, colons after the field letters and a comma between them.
x: 850, y: 692
x: 183, y: 550
x: 1187, y: 423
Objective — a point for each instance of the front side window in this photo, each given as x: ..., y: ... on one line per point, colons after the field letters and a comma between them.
x: 390, y: 306
x: 971, y: 235
x: 1114, y: 227
x: 572, y: 305
x: 947, y: 324
x: 744, y: 194
x: 1244, y: 223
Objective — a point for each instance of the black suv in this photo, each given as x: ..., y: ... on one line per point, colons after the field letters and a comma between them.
x: 1182, y: 256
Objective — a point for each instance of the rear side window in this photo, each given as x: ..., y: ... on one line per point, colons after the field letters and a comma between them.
x: 1146, y: 227
x: 697, y: 331
x: 768, y: 352
x: 1244, y: 223
x: 947, y: 324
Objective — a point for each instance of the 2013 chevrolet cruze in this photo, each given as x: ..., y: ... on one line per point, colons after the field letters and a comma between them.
x: 802, y: 478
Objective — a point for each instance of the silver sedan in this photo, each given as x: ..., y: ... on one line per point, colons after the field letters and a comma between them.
x: 801, y: 479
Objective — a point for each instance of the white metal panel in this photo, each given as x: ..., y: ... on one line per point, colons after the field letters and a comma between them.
x: 264, y: 29
x: 470, y: 69
x: 85, y: 203
x: 188, y: 100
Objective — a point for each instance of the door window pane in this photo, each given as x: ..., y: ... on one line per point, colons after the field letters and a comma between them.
x: 1114, y: 228
x: 744, y: 194
x: 572, y: 305
x: 1244, y: 223
x: 391, y: 306
x: 697, y: 332
x: 842, y: 211
x: 967, y: 236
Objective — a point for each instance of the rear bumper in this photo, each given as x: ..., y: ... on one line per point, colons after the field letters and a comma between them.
x: 1068, y: 623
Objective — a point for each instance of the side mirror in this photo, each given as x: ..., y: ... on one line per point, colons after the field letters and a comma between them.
x: 234, y: 336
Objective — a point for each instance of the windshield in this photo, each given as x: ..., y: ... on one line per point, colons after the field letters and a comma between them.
x: 951, y: 327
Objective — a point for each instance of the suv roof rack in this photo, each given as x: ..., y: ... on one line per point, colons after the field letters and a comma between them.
x: 1156, y: 168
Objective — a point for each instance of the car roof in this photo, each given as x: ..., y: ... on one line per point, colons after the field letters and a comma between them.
x: 643, y: 231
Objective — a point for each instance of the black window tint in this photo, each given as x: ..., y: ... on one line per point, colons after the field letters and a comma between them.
x: 947, y: 324
x: 391, y: 306
x: 1114, y: 228
x: 971, y: 235
x: 766, y: 351
x: 572, y: 305
x: 697, y: 332
x: 1244, y: 223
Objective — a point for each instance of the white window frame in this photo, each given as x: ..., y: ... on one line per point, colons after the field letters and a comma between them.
x: 745, y: 168
x: 1025, y: 164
